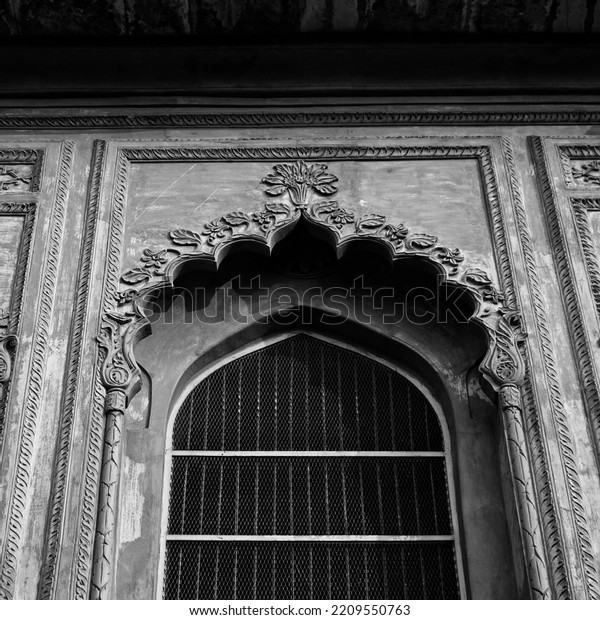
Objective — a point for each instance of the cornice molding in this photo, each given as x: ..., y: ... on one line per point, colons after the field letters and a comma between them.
x: 133, y: 119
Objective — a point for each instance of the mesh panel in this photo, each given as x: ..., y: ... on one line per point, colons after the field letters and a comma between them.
x: 301, y: 395
x: 292, y: 570
x: 305, y: 394
x: 309, y: 496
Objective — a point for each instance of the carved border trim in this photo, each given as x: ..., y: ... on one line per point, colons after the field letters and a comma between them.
x: 36, y: 374
x: 586, y: 369
x: 177, y: 153
x: 46, y: 588
x: 94, y: 451
x: 28, y: 210
x: 537, y: 441
x: 580, y: 207
x: 293, y: 119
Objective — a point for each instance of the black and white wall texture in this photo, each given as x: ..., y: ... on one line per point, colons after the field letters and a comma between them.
x: 303, y: 319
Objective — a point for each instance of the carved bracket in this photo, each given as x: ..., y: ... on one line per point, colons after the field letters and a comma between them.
x: 120, y: 372
x: 503, y: 364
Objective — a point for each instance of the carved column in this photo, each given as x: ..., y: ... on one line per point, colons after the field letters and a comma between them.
x: 120, y: 377
x: 104, y: 547
x: 503, y: 367
x: 533, y: 542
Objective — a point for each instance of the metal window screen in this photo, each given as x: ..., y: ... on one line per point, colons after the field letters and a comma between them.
x: 304, y: 470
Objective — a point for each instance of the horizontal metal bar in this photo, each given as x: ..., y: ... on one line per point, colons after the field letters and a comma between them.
x: 305, y: 453
x: 276, y: 538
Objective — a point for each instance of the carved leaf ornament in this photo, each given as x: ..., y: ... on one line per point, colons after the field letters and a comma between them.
x: 297, y: 179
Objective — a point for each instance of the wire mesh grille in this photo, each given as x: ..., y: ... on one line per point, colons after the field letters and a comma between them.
x: 306, y: 394
x: 292, y: 570
x: 309, y: 496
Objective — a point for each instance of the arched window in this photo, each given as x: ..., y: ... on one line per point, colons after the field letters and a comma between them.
x: 305, y: 470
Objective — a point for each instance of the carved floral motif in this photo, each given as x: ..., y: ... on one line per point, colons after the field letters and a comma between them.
x: 15, y: 177
x: 297, y: 179
x: 586, y: 173
x: 329, y: 212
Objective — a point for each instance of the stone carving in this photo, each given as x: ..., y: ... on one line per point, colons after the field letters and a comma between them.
x: 260, y: 225
x: 584, y: 358
x: 297, y: 119
x: 273, y: 216
x: 581, y: 207
x: 47, y: 581
x: 503, y: 363
x: 533, y: 543
x: 20, y: 170
x: 33, y: 393
x: 197, y: 245
x: 535, y: 431
x: 95, y: 447
x: 298, y: 179
x: 14, y: 178
x: 10, y: 316
x: 157, y: 268
x: 6, y: 344
x: 586, y: 173
x: 504, y: 367
x: 580, y: 164
x: 121, y: 378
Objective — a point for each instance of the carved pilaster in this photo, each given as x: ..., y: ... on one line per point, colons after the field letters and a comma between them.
x: 503, y: 367
x: 533, y: 541
x: 120, y: 376
x: 106, y: 523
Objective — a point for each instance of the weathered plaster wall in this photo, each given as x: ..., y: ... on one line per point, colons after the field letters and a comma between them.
x: 519, y: 201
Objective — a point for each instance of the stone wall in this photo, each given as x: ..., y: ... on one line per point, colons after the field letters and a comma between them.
x: 98, y: 210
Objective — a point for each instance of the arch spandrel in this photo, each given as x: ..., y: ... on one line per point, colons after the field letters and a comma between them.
x: 305, y: 192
